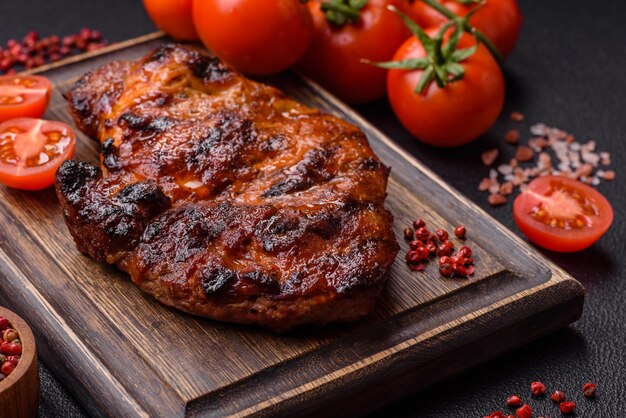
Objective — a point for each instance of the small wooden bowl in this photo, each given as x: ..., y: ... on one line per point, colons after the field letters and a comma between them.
x: 19, y: 392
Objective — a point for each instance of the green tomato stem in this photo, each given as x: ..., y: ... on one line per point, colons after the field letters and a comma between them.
x: 468, y: 28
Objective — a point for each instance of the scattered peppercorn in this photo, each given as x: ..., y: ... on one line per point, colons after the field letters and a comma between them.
x: 465, y: 251
x: 512, y: 136
x: 558, y: 396
x: 34, y: 51
x: 524, y: 411
x: 537, y: 388
x: 441, y: 235
x: 514, y: 400
x: 425, y: 245
x: 418, y: 223
x: 589, y: 389
x: 422, y: 233
x: 567, y: 407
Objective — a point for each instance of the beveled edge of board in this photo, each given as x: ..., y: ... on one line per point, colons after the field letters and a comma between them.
x: 345, y: 390
x: 559, y: 278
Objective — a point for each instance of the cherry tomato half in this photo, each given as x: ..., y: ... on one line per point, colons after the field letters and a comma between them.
x: 23, y: 96
x: 500, y: 20
x: 452, y: 115
x: 31, y: 151
x: 335, y: 57
x: 258, y: 38
x: 562, y: 214
x: 172, y: 17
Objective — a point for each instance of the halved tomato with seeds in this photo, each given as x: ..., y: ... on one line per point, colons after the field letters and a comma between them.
x: 31, y: 151
x: 23, y: 96
x: 562, y: 214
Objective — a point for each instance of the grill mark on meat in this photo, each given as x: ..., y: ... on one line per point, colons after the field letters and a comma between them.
x: 217, y: 279
x: 109, y: 159
x: 304, y: 175
x: 210, y: 70
x: 252, y: 208
x: 147, y: 124
x: 72, y: 177
x: 274, y: 144
x: 280, y: 232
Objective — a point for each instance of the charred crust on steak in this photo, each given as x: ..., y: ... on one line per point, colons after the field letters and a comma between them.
x: 223, y: 197
x: 147, y: 124
x: 279, y: 232
x: 216, y: 280
x: 307, y: 173
x: 109, y: 159
x: 71, y: 178
x: 210, y: 70
x: 92, y: 95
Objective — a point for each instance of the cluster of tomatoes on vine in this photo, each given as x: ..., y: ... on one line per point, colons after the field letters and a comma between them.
x: 437, y: 60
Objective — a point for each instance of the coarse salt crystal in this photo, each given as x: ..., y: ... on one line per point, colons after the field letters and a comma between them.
x: 591, y: 158
x: 538, y: 129
x: 494, y: 188
x: 505, y: 169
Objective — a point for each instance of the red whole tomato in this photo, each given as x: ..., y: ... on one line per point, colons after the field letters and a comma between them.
x: 172, y: 17
x: 31, y: 151
x: 335, y: 57
x: 255, y: 38
x: 500, y: 20
x: 454, y: 114
x: 23, y: 96
x: 562, y: 214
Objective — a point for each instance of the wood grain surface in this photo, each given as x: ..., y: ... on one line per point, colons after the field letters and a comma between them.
x: 124, y: 354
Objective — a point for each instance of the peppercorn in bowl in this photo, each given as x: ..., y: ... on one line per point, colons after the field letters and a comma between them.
x: 19, y: 374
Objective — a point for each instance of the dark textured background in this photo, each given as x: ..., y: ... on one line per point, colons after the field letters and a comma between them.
x: 567, y: 71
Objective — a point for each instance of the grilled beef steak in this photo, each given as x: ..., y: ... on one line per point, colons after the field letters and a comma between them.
x: 224, y: 198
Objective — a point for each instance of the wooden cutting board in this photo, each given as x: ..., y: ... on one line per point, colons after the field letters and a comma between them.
x: 123, y: 354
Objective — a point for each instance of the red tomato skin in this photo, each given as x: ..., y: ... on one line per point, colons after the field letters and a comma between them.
x: 172, y: 17
x: 456, y: 114
x: 28, y: 109
x: 37, y: 178
x: 257, y: 38
x: 556, y: 239
x: 334, y: 58
x: 500, y: 20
